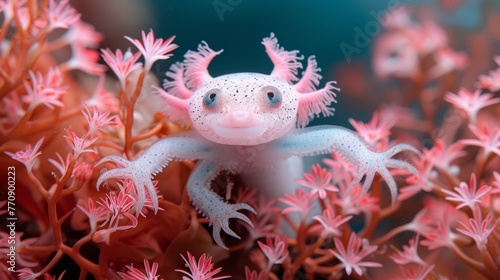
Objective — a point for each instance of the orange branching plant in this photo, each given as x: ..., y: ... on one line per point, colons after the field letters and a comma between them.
x: 62, y: 111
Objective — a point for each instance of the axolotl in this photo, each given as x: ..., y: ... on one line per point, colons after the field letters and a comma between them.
x: 234, y: 113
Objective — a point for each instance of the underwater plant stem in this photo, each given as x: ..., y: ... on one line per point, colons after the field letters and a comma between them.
x: 493, y: 247
x: 76, y: 185
x: 450, y: 178
x: 51, y: 264
x: 386, y: 237
x: 5, y: 77
x: 482, y: 161
x: 306, y: 254
x: 471, y: 262
x: 55, y: 45
x: 33, y: 127
x: 21, y: 123
x: 56, y: 223
x: 490, y: 264
x: 54, y: 220
x: 371, y: 221
x: 130, y: 107
x: 62, y: 182
x: 23, y: 51
x: 148, y: 134
x: 301, y: 235
x: 328, y: 269
x: 322, y: 205
x: 39, y: 249
x: 82, y: 262
x: 138, y: 88
x: 292, y: 224
x: 83, y: 274
x: 389, y: 210
x: 109, y: 145
x: 103, y: 257
x: 38, y: 185
x: 367, y: 231
x: 325, y: 257
x: 3, y: 31
x: 82, y: 241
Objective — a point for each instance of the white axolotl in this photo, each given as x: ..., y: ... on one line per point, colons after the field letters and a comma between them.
x: 237, y: 114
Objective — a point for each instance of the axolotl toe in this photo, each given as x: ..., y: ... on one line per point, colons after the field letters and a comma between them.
x: 239, y: 114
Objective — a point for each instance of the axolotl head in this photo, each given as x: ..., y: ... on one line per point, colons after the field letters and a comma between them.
x: 245, y: 108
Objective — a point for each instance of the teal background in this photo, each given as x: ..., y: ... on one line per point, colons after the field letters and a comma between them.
x: 315, y: 27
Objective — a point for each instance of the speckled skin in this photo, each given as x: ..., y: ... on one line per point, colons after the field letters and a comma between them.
x: 246, y: 122
x: 244, y: 93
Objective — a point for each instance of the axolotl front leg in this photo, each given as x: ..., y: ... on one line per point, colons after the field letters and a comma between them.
x: 325, y: 139
x: 189, y: 146
x: 184, y: 146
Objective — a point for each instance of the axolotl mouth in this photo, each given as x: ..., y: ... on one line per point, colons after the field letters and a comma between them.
x: 238, y: 132
x: 240, y: 125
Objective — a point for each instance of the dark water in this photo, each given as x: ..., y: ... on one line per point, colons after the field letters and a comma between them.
x: 317, y: 27
x: 313, y: 27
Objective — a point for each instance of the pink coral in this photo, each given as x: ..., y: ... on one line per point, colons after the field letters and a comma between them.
x: 210, y: 141
x: 352, y: 255
x: 135, y: 274
x: 319, y: 181
x: 29, y: 155
x: 153, y: 49
x: 471, y: 102
x: 201, y: 270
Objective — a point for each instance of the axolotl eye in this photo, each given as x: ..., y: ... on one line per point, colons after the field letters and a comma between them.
x: 272, y: 95
x: 210, y: 98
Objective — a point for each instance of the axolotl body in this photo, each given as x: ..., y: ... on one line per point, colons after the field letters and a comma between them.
x: 237, y: 114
